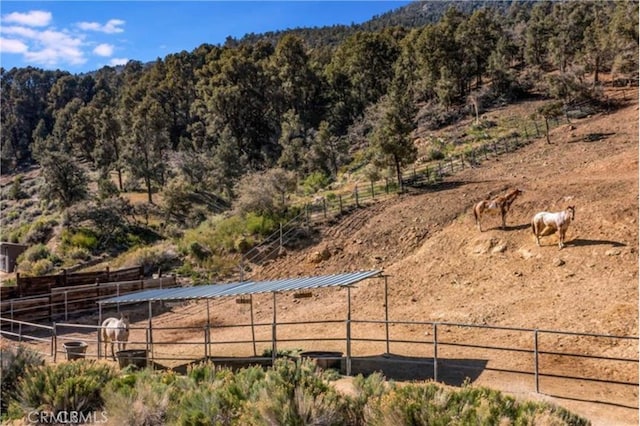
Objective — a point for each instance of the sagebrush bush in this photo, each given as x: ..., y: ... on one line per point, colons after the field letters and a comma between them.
x: 152, y: 259
x: 40, y: 231
x: 295, y: 393
x: 435, y: 404
x: 70, y: 386
x: 35, y: 253
x: 141, y: 398
x: 15, y: 364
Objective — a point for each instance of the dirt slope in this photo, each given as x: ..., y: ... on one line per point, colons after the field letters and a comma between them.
x: 443, y: 269
x: 447, y: 270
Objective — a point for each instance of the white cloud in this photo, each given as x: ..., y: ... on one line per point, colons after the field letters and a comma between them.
x: 103, y: 49
x: 48, y: 47
x: 12, y: 46
x: 21, y: 32
x: 118, y: 61
x: 33, y: 18
x: 111, y: 27
x: 40, y: 43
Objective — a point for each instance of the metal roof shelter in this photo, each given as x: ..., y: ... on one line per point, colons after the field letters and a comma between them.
x: 242, y: 288
x: 248, y: 288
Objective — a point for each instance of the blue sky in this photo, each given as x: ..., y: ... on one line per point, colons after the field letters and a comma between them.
x: 80, y: 36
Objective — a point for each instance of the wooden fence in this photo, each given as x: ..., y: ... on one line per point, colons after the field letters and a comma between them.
x: 38, y: 286
x: 63, y: 302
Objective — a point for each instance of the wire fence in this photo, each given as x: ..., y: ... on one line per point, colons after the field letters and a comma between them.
x: 432, y: 173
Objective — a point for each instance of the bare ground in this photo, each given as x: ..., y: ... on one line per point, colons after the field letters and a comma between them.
x: 441, y: 268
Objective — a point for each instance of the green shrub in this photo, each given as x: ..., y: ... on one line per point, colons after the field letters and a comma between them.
x: 294, y: 393
x: 70, y: 386
x: 78, y: 253
x: 107, y: 189
x: 435, y: 154
x: 161, y: 257
x: 215, y: 396
x: 40, y: 231
x: 15, y: 364
x: 314, y: 182
x: 259, y: 225
x: 141, y: 398
x: 434, y: 404
x: 83, y: 238
x: 15, y: 191
x: 35, y: 253
x: 41, y: 267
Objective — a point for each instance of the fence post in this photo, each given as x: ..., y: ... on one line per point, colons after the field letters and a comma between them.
x: 206, y: 341
x: 11, y: 312
x: 241, y: 267
x: 386, y: 185
x: 54, y: 342
x: 535, y: 123
x: 340, y: 201
x: 324, y: 207
x: 150, y: 328
x: 348, y: 360
x: 451, y: 164
x: 462, y: 161
x: 356, y: 195
x: 373, y: 193
x: 280, y: 236
x: 19, y: 332
x: 536, y: 361
x: 66, y: 308
x: 435, y: 352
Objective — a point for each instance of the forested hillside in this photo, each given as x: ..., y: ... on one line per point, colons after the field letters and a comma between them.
x: 249, y: 124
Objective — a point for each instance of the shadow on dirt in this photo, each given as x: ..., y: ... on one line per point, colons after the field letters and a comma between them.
x: 454, y: 372
x: 580, y: 242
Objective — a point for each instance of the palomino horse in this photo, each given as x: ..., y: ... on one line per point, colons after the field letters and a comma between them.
x: 497, y: 205
x: 545, y: 223
x: 115, y: 330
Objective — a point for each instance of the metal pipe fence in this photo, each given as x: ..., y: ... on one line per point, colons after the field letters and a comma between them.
x: 444, y: 347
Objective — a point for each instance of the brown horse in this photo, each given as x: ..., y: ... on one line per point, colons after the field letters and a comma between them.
x: 545, y: 223
x: 497, y: 205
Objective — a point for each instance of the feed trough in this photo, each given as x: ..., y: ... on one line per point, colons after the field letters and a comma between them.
x: 75, y: 349
x: 325, y: 359
x: 137, y: 357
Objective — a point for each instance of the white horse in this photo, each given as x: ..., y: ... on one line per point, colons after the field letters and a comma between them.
x: 115, y: 330
x: 545, y: 223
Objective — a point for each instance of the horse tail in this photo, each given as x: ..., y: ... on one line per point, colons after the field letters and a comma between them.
x: 533, y: 226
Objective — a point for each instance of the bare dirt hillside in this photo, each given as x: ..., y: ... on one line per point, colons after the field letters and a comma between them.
x: 442, y: 268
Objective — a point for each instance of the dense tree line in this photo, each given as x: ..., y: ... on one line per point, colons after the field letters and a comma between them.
x: 297, y: 100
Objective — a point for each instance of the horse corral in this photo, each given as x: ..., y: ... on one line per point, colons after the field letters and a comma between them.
x: 441, y: 273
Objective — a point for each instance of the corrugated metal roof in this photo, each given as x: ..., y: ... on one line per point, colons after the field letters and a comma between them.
x: 242, y: 288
